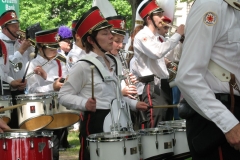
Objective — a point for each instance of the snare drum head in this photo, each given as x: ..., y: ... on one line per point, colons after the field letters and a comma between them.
x: 33, y: 96
x: 158, y: 130
x: 112, y: 136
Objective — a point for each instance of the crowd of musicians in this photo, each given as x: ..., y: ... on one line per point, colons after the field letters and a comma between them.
x: 92, y: 72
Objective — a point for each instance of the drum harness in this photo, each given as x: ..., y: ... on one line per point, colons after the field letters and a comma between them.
x: 121, y: 105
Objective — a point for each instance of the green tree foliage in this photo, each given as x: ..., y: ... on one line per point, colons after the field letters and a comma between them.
x: 53, y: 13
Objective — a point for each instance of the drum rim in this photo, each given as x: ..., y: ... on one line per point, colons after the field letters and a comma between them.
x: 33, y: 96
x: 26, y: 134
x: 6, y: 97
x: 162, y: 130
x: 176, y: 124
x: 130, y: 136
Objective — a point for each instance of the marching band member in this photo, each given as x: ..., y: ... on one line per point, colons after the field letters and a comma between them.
x: 148, y: 54
x: 17, y: 52
x: 209, y: 79
x: 171, y: 57
x: 76, y: 93
x: 65, y: 41
x: 44, y: 78
x: 77, y: 50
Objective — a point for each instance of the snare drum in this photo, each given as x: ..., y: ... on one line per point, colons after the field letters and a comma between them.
x: 37, y: 111
x: 5, y: 101
x: 180, y: 148
x: 114, y: 145
x: 24, y: 145
x: 156, y: 142
x: 62, y: 117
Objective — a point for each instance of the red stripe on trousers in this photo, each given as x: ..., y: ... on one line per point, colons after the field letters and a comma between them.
x: 150, y: 104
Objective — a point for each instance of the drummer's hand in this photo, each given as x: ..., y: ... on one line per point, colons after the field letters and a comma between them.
x: 18, y: 84
x: 129, y: 91
x: 40, y: 71
x: 91, y: 105
x: 133, y: 78
x: 233, y: 137
x: 57, y: 84
x: 3, y: 126
x: 142, y: 106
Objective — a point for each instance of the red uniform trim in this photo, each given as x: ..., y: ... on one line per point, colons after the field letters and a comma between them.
x: 59, y: 68
x: 150, y: 104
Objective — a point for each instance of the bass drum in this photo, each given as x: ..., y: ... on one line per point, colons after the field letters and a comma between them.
x: 5, y: 101
x: 114, y: 145
x: 24, y: 145
x: 62, y: 117
x: 181, y: 149
x: 36, y: 113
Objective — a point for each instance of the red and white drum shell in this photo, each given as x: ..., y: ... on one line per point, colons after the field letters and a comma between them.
x: 23, y: 145
x: 36, y: 113
x: 156, y: 142
x: 5, y: 101
x: 116, y: 145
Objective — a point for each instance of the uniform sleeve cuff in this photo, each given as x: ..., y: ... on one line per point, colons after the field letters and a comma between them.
x: 176, y: 37
x: 9, y: 79
x: 226, y: 121
x: 83, y: 105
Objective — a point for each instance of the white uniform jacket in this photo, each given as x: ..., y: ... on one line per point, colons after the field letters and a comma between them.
x: 78, y: 88
x: 15, y: 56
x: 149, y: 53
x: 212, y: 32
x: 74, y: 55
x: 36, y: 83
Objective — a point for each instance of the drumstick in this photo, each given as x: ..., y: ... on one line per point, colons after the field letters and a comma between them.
x: 11, y: 107
x: 14, y: 130
x: 92, y: 68
x: 164, y: 106
x: 31, y: 56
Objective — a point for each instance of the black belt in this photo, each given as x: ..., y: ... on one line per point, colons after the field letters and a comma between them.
x: 226, y: 98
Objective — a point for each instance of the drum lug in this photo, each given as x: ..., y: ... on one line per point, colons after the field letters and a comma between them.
x: 44, y: 105
x: 140, y: 145
x: 4, y: 145
x: 50, y: 144
x: 156, y: 142
x: 31, y: 143
x: 53, y: 103
x: 124, y: 148
x: 97, y: 150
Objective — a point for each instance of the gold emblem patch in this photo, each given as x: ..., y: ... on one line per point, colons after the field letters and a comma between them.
x: 57, y: 38
x: 210, y: 18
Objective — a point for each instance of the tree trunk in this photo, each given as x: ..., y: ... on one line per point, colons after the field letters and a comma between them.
x: 134, y: 4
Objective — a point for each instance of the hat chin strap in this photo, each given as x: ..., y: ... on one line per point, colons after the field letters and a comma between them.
x: 98, y: 45
x: 11, y: 32
x: 154, y: 24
